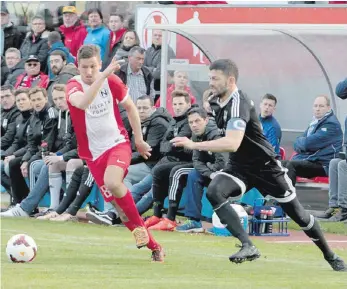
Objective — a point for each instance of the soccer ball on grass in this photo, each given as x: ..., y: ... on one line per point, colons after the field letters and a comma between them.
x: 21, y: 249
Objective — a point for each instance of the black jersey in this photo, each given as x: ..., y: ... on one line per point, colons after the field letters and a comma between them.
x: 255, y: 148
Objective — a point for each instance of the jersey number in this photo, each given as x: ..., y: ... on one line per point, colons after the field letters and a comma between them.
x: 106, y: 193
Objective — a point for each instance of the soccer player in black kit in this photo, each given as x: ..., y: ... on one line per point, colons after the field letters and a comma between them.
x: 252, y: 163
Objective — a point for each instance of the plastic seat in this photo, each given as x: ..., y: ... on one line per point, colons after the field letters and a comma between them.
x: 282, y: 153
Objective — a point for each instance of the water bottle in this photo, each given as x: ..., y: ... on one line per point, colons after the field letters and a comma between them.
x: 44, y: 150
x: 263, y: 216
x: 269, y: 226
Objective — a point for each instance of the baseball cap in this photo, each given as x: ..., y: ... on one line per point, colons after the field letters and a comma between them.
x: 69, y: 9
x: 4, y: 10
x: 32, y: 58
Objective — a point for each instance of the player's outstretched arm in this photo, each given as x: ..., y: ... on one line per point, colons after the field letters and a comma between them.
x: 82, y: 100
x: 135, y: 122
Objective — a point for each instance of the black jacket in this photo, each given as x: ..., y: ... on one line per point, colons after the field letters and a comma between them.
x: 178, y: 127
x: 36, y: 46
x: 125, y: 120
x: 42, y: 127
x: 12, y: 37
x: 123, y: 73
x: 14, y: 72
x: 4, y: 71
x: 153, y: 130
x: 208, y: 162
x: 68, y: 72
x: 8, y: 126
x: 19, y: 145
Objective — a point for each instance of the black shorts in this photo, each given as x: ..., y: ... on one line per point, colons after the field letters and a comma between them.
x: 270, y: 178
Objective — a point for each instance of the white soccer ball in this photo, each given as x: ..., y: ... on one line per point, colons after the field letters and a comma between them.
x: 21, y: 249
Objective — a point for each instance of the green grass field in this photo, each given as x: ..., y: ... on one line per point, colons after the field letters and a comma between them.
x: 76, y: 255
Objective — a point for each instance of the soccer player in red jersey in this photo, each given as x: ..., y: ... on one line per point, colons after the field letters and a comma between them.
x: 93, y: 98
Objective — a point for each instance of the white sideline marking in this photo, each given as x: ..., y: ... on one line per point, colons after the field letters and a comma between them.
x: 305, y: 241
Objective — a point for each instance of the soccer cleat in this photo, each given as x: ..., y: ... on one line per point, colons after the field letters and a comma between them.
x: 16, y: 211
x: 152, y: 221
x: 10, y: 206
x: 327, y: 214
x: 190, y: 226
x: 164, y: 225
x: 246, y: 253
x: 102, y: 218
x: 340, y: 216
x: 158, y: 255
x: 337, y: 263
x: 48, y: 216
x: 141, y: 237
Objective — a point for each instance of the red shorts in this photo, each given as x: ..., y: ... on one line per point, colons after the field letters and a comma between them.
x: 119, y: 156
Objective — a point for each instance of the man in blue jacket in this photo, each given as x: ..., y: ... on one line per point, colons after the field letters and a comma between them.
x: 320, y: 143
x: 271, y: 128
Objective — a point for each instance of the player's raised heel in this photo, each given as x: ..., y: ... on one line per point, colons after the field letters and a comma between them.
x: 246, y: 253
x: 141, y: 237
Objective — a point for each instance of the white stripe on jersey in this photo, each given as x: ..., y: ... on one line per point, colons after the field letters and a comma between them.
x: 235, y: 107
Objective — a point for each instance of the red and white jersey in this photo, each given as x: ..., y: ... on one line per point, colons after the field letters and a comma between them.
x: 100, y: 126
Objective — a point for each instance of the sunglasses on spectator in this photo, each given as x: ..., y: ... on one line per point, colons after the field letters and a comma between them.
x: 32, y: 64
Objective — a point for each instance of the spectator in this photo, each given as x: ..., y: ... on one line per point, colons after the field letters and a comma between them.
x: 4, y: 70
x: 55, y: 44
x: 130, y: 39
x: 36, y: 41
x: 137, y: 77
x: 206, y: 165
x: 98, y: 34
x: 116, y: 25
x: 9, y: 113
x: 10, y: 35
x: 61, y: 70
x: 180, y: 83
x: 73, y: 30
x: 320, y: 143
x: 337, y: 211
x: 153, y: 58
x: 18, y: 147
x: 173, y: 157
x: 271, y: 128
x: 14, y: 64
x: 32, y: 76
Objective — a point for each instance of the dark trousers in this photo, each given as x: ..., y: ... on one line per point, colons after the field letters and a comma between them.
x: 304, y: 169
x: 20, y: 189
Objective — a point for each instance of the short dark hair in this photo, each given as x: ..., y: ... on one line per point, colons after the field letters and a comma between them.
x: 95, y: 10
x: 54, y: 37
x: 88, y: 51
x: 144, y: 97
x: 121, y: 17
x: 137, y: 39
x: 200, y: 111
x: 7, y: 87
x: 59, y: 53
x: 227, y: 66
x: 21, y: 90
x: 181, y: 93
x: 269, y: 96
x: 36, y: 90
x: 136, y: 49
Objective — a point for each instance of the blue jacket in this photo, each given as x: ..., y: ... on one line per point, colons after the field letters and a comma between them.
x: 323, y: 144
x: 98, y: 36
x: 272, y: 131
x: 69, y: 57
x: 341, y: 92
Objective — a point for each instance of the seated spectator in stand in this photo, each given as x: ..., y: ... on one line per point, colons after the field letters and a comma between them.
x: 9, y: 113
x: 174, y: 159
x: 35, y: 42
x: 137, y: 77
x: 4, y: 70
x: 98, y: 33
x: 116, y: 25
x: 61, y: 70
x: 205, y: 164
x: 10, y: 35
x: 153, y: 58
x: 18, y: 146
x: 180, y: 83
x: 14, y: 64
x: 271, y: 128
x: 55, y: 44
x: 42, y: 128
x: 73, y: 30
x: 337, y: 211
x: 320, y: 143
x: 129, y: 40
x: 32, y: 77
x: 76, y: 193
